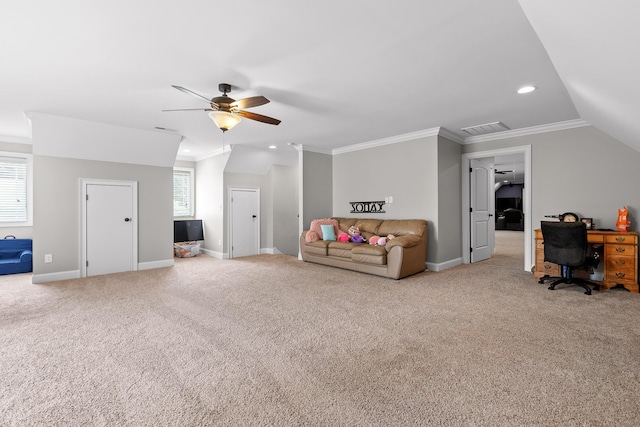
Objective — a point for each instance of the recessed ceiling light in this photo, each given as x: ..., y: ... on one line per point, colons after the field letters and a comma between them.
x: 186, y: 150
x: 273, y: 147
x: 526, y: 89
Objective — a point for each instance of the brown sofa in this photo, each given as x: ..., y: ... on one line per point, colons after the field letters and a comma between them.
x: 400, y: 257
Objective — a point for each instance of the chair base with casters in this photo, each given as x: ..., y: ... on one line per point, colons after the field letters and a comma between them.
x: 568, y: 278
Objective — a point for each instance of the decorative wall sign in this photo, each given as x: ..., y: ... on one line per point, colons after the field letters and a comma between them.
x: 367, y: 207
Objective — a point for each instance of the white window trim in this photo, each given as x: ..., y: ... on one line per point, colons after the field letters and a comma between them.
x: 192, y: 187
x: 29, y: 159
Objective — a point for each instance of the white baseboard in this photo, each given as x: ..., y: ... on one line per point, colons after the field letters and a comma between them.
x: 214, y: 254
x: 54, y: 277
x: 432, y: 266
x: 270, y: 251
x: 155, y: 264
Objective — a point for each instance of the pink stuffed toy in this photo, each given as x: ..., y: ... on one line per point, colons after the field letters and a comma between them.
x: 343, y: 237
x: 373, y: 240
x: 382, y: 241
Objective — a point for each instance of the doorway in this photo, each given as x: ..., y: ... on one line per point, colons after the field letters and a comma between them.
x: 109, y: 230
x: 524, y: 151
x: 244, y: 222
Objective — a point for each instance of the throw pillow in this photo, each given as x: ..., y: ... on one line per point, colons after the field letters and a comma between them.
x: 328, y: 232
x: 311, y: 236
x: 316, y: 223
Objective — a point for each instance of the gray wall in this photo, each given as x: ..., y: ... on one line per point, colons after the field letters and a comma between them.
x: 278, y: 199
x: 449, y: 201
x: 263, y: 182
x: 210, y: 203
x: 579, y: 170
x: 57, y: 213
x: 317, y: 183
x: 422, y: 176
x: 284, y: 183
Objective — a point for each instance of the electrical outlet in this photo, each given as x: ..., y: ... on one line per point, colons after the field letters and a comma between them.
x: 48, y: 258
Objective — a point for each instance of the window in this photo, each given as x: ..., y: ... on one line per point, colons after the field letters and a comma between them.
x: 15, y: 190
x: 183, y: 192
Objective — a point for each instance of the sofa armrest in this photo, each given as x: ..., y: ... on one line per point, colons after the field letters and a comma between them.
x: 26, y: 256
x: 406, y: 241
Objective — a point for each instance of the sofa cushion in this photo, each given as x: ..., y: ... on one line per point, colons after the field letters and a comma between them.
x: 369, y: 254
x: 369, y: 227
x: 318, y: 247
x: 402, y: 227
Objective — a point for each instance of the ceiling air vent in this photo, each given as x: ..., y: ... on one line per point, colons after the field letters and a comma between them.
x: 485, y: 129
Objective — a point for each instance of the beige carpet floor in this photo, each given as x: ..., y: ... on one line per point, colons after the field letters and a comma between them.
x: 270, y: 340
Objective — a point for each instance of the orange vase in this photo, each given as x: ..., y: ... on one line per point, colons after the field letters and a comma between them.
x: 623, y: 223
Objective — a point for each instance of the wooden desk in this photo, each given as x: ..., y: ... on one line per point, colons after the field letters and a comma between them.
x: 620, y: 258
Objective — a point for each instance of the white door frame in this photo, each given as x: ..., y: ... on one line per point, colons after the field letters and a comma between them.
x: 83, y: 219
x: 230, y: 211
x: 526, y: 198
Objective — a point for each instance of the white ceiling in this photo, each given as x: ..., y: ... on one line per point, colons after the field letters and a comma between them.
x: 337, y: 72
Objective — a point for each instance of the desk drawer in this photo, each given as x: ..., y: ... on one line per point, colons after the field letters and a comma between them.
x: 621, y: 276
x: 547, y: 268
x: 623, y: 239
x: 612, y: 250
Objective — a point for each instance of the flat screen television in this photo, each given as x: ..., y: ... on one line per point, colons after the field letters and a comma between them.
x: 503, y: 203
x: 187, y: 230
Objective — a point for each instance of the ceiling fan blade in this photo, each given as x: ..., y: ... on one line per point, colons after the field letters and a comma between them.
x: 190, y: 92
x: 190, y: 109
x: 252, y: 101
x: 258, y: 117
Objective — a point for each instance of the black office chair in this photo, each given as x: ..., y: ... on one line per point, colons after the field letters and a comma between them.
x: 565, y: 244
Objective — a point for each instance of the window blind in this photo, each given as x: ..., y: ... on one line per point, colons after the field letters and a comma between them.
x: 182, y: 192
x: 13, y: 189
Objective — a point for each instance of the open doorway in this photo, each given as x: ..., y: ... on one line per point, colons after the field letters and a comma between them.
x: 500, y: 157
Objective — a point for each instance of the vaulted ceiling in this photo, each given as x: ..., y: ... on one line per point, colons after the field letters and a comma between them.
x: 337, y: 72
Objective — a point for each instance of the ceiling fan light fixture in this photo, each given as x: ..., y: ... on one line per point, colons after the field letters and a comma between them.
x: 224, y: 120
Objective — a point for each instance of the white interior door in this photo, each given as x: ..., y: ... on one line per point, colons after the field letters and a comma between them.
x: 482, y: 215
x: 110, y: 227
x: 244, y: 221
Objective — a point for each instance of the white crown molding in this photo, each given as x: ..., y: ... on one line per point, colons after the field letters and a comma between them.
x: 216, y: 152
x: 533, y: 130
x: 313, y: 149
x: 15, y: 139
x: 388, y: 141
x: 446, y: 133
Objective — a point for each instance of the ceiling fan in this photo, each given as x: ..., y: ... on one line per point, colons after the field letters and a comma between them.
x: 226, y: 111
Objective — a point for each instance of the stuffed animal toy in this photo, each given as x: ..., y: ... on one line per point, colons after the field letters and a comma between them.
x: 353, y: 231
x: 357, y: 239
x: 382, y: 241
x: 373, y: 240
x: 343, y: 237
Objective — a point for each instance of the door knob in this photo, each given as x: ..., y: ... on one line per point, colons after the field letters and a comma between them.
x: 127, y: 219
x: 254, y: 216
